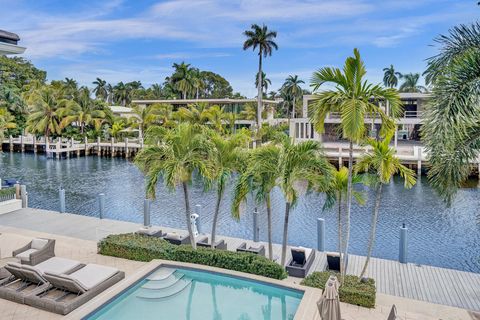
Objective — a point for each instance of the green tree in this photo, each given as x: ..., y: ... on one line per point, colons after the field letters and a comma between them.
x: 229, y: 156
x: 265, y: 82
x: 410, y: 83
x: 182, y: 79
x: 7, y: 121
x: 292, y: 87
x: 354, y: 98
x: 116, y: 129
x: 100, y: 89
x: 175, y: 155
x: 122, y: 94
x: 263, y: 39
x: 215, y: 86
x: 451, y: 130
x: 381, y: 163
x: 44, y: 116
x: 390, y: 77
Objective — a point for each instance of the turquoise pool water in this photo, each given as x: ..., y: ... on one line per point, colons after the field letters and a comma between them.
x: 195, y: 295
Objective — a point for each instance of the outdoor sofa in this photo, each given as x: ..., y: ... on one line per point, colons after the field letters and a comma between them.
x: 302, y: 260
x: 255, y: 250
x: 36, y: 251
x: 69, y: 291
x: 26, y: 280
x: 220, y: 244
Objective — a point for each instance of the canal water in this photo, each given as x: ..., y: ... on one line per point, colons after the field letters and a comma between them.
x: 439, y: 236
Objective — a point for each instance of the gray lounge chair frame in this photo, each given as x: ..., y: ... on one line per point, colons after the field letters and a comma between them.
x: 255, y: 250
x: 220, y: 244
x: 47, y: 252
x: 62, y: 300
x: 300, y: 271
x: 393, y: 313
x: 182, y: 240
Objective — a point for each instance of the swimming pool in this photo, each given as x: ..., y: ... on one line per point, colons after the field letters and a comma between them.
x: 180, y: 293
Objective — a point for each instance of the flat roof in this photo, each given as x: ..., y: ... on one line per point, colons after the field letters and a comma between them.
x: 403, y: 95
x: 189, y: 101
x: 120, y: 109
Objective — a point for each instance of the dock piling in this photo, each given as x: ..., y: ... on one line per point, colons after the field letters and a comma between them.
x: 256, y: 230
x: 402, y: 256
x: 24, y: 196
x: 101, y: 204
x: 146, y: 213
x: 321, y: 234
x: 61, y: 194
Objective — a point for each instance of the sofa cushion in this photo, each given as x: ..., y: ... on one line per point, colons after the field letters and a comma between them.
x: 173, y: 236
x: 57, y: 265
x: 25, y: 255
x: 39, y: 243
x: 92, y: 275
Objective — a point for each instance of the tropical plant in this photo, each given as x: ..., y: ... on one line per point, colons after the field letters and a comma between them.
x: 116, y: 129
x: 265, y: 82
x: 176, y: 155
x: 216, y: 116
x: 122, y: 93
x: 390, y: 77
x: 410, y: 83
x: 336, y: 194
x: 229, y: 156
x: 292, y: 87
x: 44, y: 116
x: 182, y: 78
x: 249, y: 112
x: 354, y: 98
x: 100, y: 89
x: 7, y: 121
x: 381, y: 164
x: 262, y: 38
x: 145, y: 116
x: 451, y: 128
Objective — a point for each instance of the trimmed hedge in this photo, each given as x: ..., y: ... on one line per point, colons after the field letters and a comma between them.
x: 7, y: 191
x: 144, y: 248
x: 352, y: 291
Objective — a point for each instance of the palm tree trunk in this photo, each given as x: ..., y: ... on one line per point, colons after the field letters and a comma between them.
x: 269, y: 226
x: 349, y: 208
x: 293, y: 107
x: 187, y: 215
x: 216, y: 214
x: 196, y: 95
x: 285, y: 234
x: 259, y: 93
x: 373, y: 229
x: 340, y: 244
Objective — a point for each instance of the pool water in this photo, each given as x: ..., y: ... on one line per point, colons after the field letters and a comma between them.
x: 196, y: 295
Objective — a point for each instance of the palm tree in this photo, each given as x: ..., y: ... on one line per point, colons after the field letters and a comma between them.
x: 272, y: 95
x: 410, y: 83
x: 292, y: 87
x: 100, y: 89
x: 249, y: 113
x: 353, y: 98
x: 71, y: 87
x: 262, y: 38
x: 265, y: 82
x: 216, y: 116
x: 44, y: 117
x: 197, y: 82
x: 116, y: 129
x: 258, y: 178
x: 121, y: 93
x: 229, y: 156
x: 182, y: 78
x: 110, y: 93
x: 194, y: 113
x: 336, y: 194
x: 175, y: 155
x: 451, y: 129
x: 157, y: 91
x: 390, y: 77
x: 144, y: 116
x: 82, y: 111
x: 382, y: 164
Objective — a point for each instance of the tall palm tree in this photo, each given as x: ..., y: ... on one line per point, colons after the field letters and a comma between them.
x: 249, y: 112
x: 229, y: 156
x: 157, y: 91
x: 265, y: 82
x: 44, y: 107
x: 451, y: 129
x: 390, y: 77
x: 292, y: 87
x: 122, y: 93
x: 354, y: 98
x: 182, y: 78
x: 116, y: 129
x: 263, y: 39
x: 272, y: 95
x: 197, y: 82
x: 100, y: 89
x: 110, y: 93
x: 175, y: 155
x: 216, y: 116
x: 410, y: 83
x: 144, y: 116
x: 381, y: 163
x: 71, y: 88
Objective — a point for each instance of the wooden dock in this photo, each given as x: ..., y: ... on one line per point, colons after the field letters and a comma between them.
x: 426, y: 283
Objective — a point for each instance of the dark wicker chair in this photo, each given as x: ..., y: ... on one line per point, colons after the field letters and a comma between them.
x: 255, y: 250
x: 220, y: 244
x: 300, y: 263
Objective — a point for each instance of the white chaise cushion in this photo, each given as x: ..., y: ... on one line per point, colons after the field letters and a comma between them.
x: 92, y: 275
x: 173, y: 236
x: 39, y: 243
x: 57, y: 265
x: 25, y: 255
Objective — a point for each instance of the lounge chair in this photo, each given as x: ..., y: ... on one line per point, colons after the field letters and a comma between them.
x: 152, y: 232
x: 302, y: 259
x: 68, y: 292
x: 255, y: 250
x: 26, y: 280
x: 220, y: 244
x: 175, y: 238
x: 36, y: 251
x: 333, y: 261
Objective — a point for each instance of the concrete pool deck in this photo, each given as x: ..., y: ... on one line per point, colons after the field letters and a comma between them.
x: 78, y: 234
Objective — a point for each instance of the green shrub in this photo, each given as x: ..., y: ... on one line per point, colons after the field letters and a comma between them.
x: 351, y: 291
x: 7, y: 192
x: 144, y: 248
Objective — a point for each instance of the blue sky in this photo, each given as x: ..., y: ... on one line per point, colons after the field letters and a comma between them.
x: 139, y: 40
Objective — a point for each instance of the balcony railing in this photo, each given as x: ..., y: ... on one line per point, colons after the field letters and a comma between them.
x: 406, y: 114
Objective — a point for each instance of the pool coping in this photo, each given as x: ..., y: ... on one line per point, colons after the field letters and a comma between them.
x: 307, y: 308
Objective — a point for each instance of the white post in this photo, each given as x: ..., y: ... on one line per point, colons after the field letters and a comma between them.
x: 396, y: 137
x: 112, y: 147
x: 340, y: 159
x: 126, y: 147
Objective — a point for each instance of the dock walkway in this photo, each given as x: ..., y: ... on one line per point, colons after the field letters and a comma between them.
x: 426, y: 283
